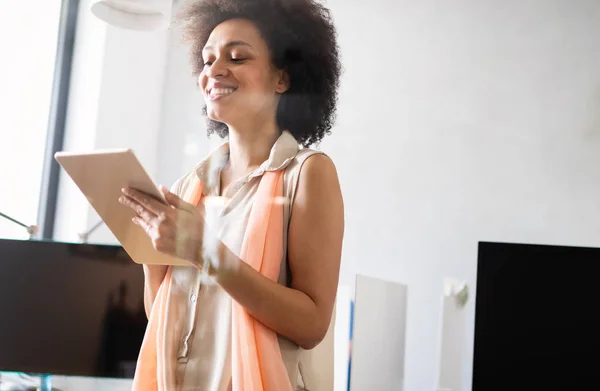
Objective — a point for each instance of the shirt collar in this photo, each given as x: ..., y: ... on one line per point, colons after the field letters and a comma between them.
x: 282, y: 153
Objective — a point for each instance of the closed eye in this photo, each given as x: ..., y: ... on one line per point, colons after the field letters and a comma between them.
x: 235, y: 60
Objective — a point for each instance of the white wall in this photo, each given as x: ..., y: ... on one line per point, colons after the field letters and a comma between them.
x: 475, y: 120
x: 481, y: 119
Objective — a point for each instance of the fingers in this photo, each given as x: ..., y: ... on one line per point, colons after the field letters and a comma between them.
x: 174, y: 225
x: 157, y: 226
x: 175, y: 228
x: 140, y: 209
x: 145, y: 225
x: 148, y: 202
x: 162, y: 237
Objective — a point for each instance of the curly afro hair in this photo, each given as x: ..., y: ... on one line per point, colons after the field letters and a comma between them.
x: 303, y: 41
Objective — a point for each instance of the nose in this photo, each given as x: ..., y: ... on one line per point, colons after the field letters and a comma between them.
x: 217, y: 69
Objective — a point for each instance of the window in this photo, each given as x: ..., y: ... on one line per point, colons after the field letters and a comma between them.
x: 29, y: 37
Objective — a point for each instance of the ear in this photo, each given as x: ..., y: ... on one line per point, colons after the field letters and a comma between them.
x: 283, y: 82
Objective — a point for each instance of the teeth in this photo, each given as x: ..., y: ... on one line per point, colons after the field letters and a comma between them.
x: 222, y: 91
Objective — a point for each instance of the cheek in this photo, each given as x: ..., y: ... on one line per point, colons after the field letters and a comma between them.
x: 202, y: 81
x: 257, y: 79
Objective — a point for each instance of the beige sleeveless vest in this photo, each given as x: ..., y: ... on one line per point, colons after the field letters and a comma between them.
x: 202, y: 331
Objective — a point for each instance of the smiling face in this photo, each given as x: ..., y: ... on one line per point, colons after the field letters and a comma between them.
x: 239, y: 81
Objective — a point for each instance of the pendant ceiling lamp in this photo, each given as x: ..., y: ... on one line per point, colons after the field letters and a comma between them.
x: 134, y: 14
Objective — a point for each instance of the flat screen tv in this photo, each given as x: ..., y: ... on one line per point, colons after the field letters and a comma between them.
x: 69, y: 309
x: 537, y: 318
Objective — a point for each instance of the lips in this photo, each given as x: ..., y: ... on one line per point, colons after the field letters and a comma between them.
x: 220, y: 92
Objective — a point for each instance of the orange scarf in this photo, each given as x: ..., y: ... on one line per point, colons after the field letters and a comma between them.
x: 257, y: 364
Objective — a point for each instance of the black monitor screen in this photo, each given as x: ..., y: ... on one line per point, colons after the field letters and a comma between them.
x: 537, y: 320
x: 69, y: 309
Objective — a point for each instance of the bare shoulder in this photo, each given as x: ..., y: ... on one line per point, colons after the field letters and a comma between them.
x: 318, y: 170
x: 318, y: 188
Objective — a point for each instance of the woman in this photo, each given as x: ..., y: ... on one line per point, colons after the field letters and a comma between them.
x: 269, y: 72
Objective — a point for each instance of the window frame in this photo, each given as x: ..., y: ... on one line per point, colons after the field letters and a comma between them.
x: 57, y: 118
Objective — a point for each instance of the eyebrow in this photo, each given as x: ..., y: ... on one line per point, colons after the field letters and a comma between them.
x: 229, y: 44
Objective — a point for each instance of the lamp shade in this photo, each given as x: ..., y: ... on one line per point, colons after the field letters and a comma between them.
x: 134, y: 14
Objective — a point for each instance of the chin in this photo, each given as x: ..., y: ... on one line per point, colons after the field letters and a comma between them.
x: 216, y: 115
x: 222, y: 114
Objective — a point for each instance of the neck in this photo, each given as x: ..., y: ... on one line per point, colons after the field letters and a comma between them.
x: 250, y: 146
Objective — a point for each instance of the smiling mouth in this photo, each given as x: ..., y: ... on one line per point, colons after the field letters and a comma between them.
x: 217, y: 93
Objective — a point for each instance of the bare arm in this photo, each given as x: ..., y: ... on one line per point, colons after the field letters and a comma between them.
x: 153, y: 276
x: 303, y: 311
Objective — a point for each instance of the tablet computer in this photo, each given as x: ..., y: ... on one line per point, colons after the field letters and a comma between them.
x: 100, y: 175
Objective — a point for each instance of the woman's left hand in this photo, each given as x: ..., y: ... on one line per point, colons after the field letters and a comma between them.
x: 175, y: 229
